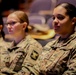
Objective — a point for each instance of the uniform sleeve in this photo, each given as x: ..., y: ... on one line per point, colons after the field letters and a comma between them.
x: 71, y: 64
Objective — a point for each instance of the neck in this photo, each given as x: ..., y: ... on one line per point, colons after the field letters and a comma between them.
x: 66, y: 35
x: 18, y: 39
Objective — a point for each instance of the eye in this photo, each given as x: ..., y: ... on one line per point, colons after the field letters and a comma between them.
x: 11, y: 23
x: 60, y: 17
x: 53, y: 17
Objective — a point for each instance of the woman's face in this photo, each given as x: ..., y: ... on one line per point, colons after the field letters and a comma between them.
x: 62, y: 23
x: 14, y: 26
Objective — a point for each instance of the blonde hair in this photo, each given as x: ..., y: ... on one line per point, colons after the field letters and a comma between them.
x: 22, y: 17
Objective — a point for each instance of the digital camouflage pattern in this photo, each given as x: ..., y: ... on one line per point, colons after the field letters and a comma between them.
x: 58, y: 58
x: 13, y: 61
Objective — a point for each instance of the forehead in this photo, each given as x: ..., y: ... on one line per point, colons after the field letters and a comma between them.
x: 12, y: 17
x: 59, y: 10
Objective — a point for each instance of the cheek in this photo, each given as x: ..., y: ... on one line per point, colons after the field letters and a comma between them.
x: 65, y: 23
x: 17, y: 28
x: 66, y: 26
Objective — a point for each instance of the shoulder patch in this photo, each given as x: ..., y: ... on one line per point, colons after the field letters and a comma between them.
x: 34, y: 55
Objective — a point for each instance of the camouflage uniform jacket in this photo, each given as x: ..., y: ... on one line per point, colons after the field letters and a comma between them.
x: 15, y: 59
x: 59, y: 57
x: 5, y: 43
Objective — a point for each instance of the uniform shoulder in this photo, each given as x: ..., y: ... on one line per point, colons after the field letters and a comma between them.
x: 32, y: 40
x: 48, y: 45
x: 4, y: 43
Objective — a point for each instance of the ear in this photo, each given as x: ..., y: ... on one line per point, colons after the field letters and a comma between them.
x: 73, y: 20
x: 24, y: 25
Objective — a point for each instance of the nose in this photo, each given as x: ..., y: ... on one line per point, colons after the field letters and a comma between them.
x: 8, y: 26
x: 55, y: 20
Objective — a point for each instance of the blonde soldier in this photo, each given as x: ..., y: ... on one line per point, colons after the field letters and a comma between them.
x: 59, y: 56
x: 24, y: 49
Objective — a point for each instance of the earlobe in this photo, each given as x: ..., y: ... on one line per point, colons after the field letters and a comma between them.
x: 74, y: 20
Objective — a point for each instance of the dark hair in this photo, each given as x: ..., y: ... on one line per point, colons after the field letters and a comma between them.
x: 1, y: 23
x: 71, y: 9
x: 3, y: 34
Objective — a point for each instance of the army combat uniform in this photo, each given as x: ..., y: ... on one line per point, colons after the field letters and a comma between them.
x: 15, y: 59
x: 58, y: 58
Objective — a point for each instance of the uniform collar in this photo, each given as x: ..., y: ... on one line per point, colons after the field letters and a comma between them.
x: 21, y: 44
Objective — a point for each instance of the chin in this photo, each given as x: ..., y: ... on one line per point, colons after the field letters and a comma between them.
x: 10, y: 32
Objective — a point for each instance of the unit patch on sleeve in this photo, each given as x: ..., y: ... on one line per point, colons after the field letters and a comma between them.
x: 34, y: 55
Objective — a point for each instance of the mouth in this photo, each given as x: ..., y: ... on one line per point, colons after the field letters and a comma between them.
x: 9, y: 31
x: 56, y: 27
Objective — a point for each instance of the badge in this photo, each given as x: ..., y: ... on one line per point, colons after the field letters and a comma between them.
x: 34, y: 55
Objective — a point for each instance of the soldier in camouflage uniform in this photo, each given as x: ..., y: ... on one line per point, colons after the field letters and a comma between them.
x: 3, y: 42
x: 59, y: 56
x: 24, y: 50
